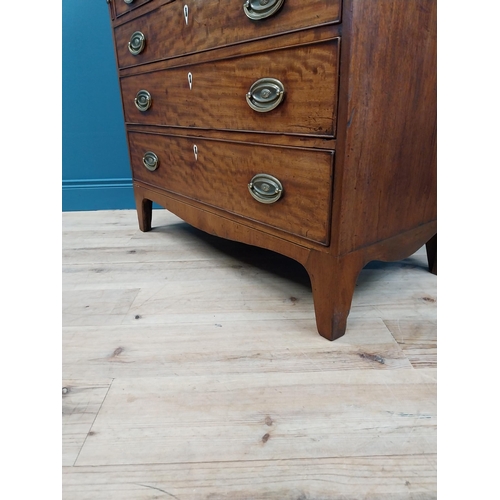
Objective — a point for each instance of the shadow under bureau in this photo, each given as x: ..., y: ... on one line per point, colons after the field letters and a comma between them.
x: 304, y: 127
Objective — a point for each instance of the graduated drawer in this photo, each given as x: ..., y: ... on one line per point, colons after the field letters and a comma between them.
x: 211, y: 24
x: 213, y: 94
x: 217, y: 173
x: 123, y: 6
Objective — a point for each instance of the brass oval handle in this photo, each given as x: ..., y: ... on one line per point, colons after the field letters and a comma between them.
x: 150, y: 161
x: 265, y: 188
x: 260, y: 9
x: 143, y: 100
x: 265, y: 94
x: 137, y: 43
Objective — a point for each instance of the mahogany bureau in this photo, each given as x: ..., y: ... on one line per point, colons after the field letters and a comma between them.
x: 307, y: 127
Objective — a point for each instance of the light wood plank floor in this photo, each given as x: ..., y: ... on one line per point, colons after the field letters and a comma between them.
x: 193, y: 370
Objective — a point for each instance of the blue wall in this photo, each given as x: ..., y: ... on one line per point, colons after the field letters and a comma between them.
x: 95, y: 163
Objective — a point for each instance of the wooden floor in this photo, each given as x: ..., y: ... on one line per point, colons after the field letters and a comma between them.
x: 193, y: 370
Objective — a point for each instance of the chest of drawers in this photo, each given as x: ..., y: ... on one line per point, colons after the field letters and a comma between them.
x: 304, y: 127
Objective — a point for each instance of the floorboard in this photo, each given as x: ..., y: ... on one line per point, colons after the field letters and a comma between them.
x: 192, y: 369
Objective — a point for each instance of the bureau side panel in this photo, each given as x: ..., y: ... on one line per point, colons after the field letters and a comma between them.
x: 386, y: 180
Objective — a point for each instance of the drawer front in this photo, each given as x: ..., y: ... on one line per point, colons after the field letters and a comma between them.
x: 195, y: 25
x: 214, y: 94
x: 124, y: 6
x: 218, y: 173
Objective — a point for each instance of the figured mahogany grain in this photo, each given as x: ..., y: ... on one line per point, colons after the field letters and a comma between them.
x: 219, y: 177
x: 217, y: 97
x: 310, y: 36
x: 213, y: 23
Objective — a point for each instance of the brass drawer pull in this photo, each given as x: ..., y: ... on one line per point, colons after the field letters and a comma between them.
x: 128, y: 1
x: 260, y: 9
x: 265, y: 188
x: 137, y: 43
x: 150, y: 161
x: 265, y: 95
x: 143, y: 100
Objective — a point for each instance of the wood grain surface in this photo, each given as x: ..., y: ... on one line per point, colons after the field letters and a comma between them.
x: 229, y: 417
x: 213, y: 23
x: 220, y: 173
x: 398, y: 477
x: 81, y: 403
x: 386, y: 149
x: 217, y: 99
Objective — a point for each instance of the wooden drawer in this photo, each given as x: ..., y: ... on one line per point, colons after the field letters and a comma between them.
x: 217, y: 97
x: 213, y: 23
x: 123, y: 7
x: 219, y: 173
